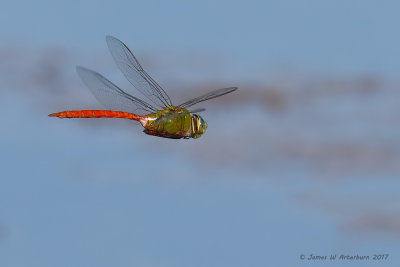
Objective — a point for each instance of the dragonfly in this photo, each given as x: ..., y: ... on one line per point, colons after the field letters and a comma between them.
x: 157, y: 115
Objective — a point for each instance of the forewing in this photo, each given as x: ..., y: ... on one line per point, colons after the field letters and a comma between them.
x: 135, y: 74
x: 210, y: 95
x: 111, y: 95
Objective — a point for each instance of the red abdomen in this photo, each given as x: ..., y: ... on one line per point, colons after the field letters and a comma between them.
x: 97, y: 114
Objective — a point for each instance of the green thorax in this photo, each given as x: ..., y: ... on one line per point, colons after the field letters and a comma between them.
x: 174, y: 122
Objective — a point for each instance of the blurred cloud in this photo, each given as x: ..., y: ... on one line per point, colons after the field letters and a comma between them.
x: 361, y: 214
x: 376, y: 225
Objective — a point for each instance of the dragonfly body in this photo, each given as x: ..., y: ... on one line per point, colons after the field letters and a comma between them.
x: 169, y: 121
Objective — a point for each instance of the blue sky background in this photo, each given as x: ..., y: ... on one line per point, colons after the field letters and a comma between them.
x: 303, y: 159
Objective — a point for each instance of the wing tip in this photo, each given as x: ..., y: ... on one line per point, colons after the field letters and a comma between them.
x: 111, y: 39
x: 81, y: 70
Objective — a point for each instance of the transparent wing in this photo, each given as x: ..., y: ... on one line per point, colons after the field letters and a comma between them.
x: 210, y: 95
x: 197, y: 110
x: 135, y: 74
x: 111, y: 95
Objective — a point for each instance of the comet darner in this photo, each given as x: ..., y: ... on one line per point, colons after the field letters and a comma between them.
x: 163, y: 119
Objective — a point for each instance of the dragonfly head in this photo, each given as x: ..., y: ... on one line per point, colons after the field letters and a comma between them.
x: 199, y: 126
